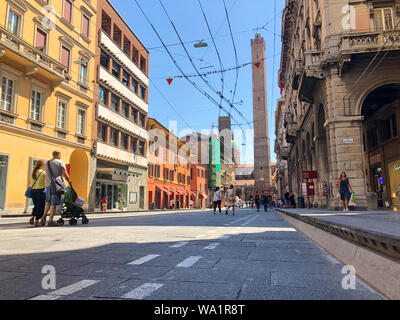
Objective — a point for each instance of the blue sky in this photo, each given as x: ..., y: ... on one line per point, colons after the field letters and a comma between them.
x: 196, y: 110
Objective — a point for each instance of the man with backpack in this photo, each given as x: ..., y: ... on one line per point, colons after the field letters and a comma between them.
x: 55, y: 186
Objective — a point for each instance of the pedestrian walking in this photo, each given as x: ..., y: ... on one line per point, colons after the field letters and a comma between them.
x: 104, y: 202
x: 231, y: 199
x: 217, y: 200
x: 257, y: 201
x: 344, y: 189
x: 55, y: 187
x: 264, y: 200
x: 121, y: 204
x: 292, y: 201
x: 286, y: 196
x: 38, y: 183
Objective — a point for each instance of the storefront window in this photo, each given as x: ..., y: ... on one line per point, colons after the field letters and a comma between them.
x: 394, y: 177
x: 116, y: 193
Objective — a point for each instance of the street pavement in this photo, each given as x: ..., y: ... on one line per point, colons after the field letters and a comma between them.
x: 382, y: 222
x: 174, y: 256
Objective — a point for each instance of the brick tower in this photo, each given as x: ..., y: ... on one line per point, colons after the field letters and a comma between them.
x: 262, y: 169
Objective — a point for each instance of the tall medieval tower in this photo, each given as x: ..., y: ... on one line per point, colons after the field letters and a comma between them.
x: 262, y: 169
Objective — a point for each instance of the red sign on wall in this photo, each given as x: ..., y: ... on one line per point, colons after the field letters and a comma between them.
x: 68, y: 167
x: 310, y: 189
x: 310, y: 175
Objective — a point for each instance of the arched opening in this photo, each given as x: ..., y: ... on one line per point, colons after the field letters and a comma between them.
x: 79, y: 172
x: 381, y: 111
x: 322, y: 159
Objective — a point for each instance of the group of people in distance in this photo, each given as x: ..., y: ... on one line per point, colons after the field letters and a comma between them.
x: 231, y: 200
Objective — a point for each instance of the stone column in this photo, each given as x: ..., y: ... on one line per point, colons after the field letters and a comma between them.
x: 346, y: 142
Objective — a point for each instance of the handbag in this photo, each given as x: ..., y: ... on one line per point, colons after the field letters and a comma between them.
x: 57, y: 185
x: 28, y: 192
x: 353, y: 200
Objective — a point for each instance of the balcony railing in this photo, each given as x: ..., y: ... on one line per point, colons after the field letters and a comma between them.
x: 14, y: 43
x: 369, y: 41
x: 291, y: 132
x: 106, y: 42
x: 288, y: 117
x: 284, y: 153
x: 282, y: 168
x: 313, y: 58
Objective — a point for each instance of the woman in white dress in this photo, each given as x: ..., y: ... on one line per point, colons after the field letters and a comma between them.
x: 231, y: 199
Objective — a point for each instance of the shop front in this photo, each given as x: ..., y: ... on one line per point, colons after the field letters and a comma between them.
x: 113, y: 182
x: 381, y: 112
x: 394, y: 180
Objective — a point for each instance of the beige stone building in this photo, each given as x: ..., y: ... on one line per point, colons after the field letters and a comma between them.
x: 282, y: 150
x: 339, y: 71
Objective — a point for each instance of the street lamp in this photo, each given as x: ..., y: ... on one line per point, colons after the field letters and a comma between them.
x: 200, y: 44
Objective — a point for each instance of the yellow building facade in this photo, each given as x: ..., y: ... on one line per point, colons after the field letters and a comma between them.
x: 46, y: 92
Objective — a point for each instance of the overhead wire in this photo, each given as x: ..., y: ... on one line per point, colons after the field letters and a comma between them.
x: 194, y: 66
x: 215, y: 71
x: 180, y: 69
x: 218, y: 55
x: 234, y: 48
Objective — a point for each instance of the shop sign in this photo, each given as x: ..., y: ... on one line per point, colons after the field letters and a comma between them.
x: 310, y: 175
x: 348, y: 140
x: 310, y: 189
x: 397, y: 167
x: 132, y: 197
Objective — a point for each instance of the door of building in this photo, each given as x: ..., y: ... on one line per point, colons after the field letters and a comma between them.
x: 3, y: 180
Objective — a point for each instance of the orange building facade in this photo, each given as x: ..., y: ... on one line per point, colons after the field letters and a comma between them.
x: 198, y: 185
x: 168, y: 183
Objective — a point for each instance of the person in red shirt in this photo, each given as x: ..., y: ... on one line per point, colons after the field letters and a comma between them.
x: 104, y: 202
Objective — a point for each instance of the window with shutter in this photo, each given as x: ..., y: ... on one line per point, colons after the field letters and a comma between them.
x: 85, y: 26
x: 67, y: 14
x: 41, y: 40
x: 65, y: 58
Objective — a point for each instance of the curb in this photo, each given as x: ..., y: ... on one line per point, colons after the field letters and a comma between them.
x: 379, y: 271
x: 383, y: 244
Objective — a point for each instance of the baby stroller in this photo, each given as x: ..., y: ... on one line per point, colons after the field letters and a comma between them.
x: 71, y: 208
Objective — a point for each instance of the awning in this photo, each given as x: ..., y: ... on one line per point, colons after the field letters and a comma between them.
x: 203, y: 195
x: 163, y: 189
x: 171, y: 189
